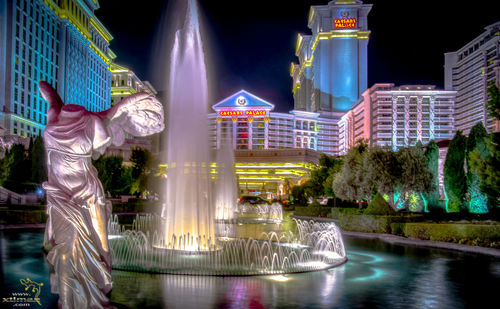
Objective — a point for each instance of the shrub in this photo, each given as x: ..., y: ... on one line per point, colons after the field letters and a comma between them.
x: 313, y: 211
x: 379, y: 206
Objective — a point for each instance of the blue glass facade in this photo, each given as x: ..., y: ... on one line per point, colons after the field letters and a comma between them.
x: 332, y: 71
x: 60, y: 42
x: 31, y: 54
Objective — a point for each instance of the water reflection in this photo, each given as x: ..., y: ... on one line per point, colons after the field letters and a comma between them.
x: 319, y: 289
x: 377, y: 275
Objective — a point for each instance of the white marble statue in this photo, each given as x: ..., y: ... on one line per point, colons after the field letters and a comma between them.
x: 76, y: 234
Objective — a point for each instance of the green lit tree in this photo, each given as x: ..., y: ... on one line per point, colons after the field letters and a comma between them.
x: 115, y: 178
x: 398, y: 174
x: 38, y: 161
x: 17, y: 170
x: 351, y: 183
x: 477, y: 201
x: 333, y: 169
x: 320, y: 182
x: 488, y: 171
x: 494, y: 101
x: 485, y: 163
x: 3, y: 165
x: 455, y: 184
x: 432, y: 155
x: 142, y: 162
x: 299, y: 195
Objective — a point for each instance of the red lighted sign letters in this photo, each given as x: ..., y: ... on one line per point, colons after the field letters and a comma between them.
x: 345, y: 23
x: 251, y: 112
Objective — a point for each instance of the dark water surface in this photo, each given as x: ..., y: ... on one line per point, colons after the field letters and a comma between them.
x: 377, y: 275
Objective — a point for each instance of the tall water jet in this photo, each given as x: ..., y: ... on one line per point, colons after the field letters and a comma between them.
x: 188, y: 210
x: 226, y: 188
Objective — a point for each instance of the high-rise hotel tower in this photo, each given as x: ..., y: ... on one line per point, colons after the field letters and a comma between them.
x: 60, y: 41
x: 469, y: 71
x: 332, y: 71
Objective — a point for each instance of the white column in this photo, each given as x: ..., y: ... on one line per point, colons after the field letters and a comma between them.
x: 394, y: 123
x: 218, y: 132
x: 235, y: 122
x: 407, y: 120
x: 431, y: 118
x: 266, y: 133
x: 250, y: 132
x: 419, y: 119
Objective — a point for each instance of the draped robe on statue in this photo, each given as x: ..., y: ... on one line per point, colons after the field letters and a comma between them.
x: 76, y: 235
x: 78, y: 212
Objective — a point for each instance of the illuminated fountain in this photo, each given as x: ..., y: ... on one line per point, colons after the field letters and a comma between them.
x: 226, y: 186
x: 200, y: 230
x: 188, y: 211
x: 272, y: 213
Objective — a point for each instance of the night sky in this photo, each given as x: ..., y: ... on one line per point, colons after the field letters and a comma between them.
x: 250, y: 44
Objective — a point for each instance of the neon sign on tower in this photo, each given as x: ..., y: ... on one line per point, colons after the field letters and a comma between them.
x: 345, y: 22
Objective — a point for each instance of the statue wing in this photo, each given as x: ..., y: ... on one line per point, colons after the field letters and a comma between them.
x: 140, y: 114
x: 55, y: 103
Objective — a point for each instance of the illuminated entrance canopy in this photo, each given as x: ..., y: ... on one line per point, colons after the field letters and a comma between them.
x: 232, y: 113
x: 243, y: 104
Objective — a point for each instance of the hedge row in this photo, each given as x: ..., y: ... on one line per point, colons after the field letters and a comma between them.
x: 35, y: 213
x: 11, y: 216
x: 454, y: 232
x: 355, y: 220
x: 411, y: 225
x: 136, y: 206
x: 313, y: 211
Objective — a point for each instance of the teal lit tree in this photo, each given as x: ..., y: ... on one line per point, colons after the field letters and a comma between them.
x: 477, y: 201
x: 401, y: 176
x: 485, y: 165
x: 455, y: 185
x: 431, y: 199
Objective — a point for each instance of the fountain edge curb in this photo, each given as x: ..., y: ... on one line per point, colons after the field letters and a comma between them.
x: 395, y: 239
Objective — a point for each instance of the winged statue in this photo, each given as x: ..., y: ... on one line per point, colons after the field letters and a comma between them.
x: 76, y: 236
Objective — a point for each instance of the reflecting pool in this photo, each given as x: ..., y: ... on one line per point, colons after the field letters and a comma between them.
x: 377, y: 275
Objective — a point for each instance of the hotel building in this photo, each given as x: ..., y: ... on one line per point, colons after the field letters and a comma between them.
x: 271, y: 149
x: 250, y: 123
x: 124, y: 82
x: 266, y: 141
x: 401, y: 116
x: 61, y: 42
x: 332, y: 70
x: 469, y: 71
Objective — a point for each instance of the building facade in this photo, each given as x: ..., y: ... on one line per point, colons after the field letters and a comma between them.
x: 124, y: 82
x: 250, y: 124
x: 61, y: 42
x: 401, y: 116
x: 469, y: 71
x: 332, y: 69
x: 273, y: 172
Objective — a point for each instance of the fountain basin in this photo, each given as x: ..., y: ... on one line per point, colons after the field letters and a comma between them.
x: 258, y: 250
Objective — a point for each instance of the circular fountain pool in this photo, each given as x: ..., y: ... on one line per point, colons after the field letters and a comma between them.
x: 240, y: 248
